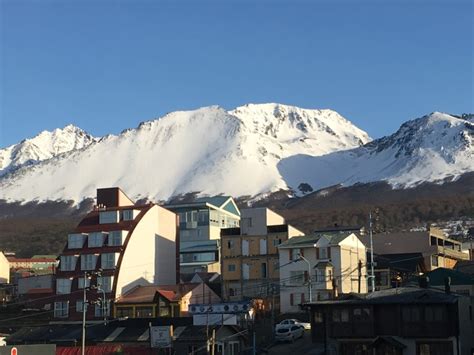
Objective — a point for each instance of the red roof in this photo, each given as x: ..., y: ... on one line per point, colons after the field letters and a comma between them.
x: 169, y: 295
x: 146, y: 294
x: 13, y: 259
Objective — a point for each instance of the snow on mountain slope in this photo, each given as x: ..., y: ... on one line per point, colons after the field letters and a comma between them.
x: 43, y: 146
x: 323, y: 131
x: 432, y: 148
x: 208, y: 150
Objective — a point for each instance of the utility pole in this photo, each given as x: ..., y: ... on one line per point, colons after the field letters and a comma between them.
x: 84, y: 309
x: 372, y: 273
x: 254, y: 341
x: 213, y: 341
x: 359, y: 276
x: 309, y: 277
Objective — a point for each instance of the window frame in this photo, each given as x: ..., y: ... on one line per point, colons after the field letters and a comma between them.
x: 64, y: 309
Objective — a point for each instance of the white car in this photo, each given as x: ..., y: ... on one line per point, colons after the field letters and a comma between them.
x: 289, y: 333
x: 287, y: 322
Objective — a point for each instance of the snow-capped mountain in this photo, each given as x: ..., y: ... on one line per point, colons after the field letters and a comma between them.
x: 434, y: 148
x: 42, y: 147
x: 209, y: 150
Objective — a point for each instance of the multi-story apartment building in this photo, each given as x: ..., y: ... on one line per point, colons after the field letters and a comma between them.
x: 128, y: 244
x: 328, y: 264
x: 250, y: 266
x: 200, y: 224
x: 437, y: 249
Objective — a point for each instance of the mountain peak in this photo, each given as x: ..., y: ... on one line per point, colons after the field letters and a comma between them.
x: 43, y: 146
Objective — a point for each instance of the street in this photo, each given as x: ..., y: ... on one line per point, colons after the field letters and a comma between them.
x: 300, y: 347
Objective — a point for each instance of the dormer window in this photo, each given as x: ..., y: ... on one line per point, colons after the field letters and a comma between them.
x: 116, y: 238
x: 106, y: 217
x: 109, y: 260
x: 68, y: 263
x: 96, y: 240
x: 76, y: 240
x: 88, y: 261
x: 129, y: 215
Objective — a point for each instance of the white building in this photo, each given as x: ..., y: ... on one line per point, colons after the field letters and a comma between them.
x: 329, y: 263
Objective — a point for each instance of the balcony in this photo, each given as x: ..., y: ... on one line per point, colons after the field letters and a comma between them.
x: 452, y: 253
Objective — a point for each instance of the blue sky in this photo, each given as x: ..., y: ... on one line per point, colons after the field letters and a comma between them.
x: 107, y: 65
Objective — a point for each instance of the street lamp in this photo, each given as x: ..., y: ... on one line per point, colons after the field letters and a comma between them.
x: 301, y: 257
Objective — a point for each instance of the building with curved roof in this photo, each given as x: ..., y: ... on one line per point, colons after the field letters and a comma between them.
x: 117, y: 246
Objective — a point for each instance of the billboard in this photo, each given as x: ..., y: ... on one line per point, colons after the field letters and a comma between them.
x: 161, y: 336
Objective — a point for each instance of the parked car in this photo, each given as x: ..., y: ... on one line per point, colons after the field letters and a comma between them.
x: 287, y: 322
x: 289, y: 333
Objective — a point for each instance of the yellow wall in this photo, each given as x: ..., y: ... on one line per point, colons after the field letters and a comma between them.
x: 4, y: 269
x: 231, y: 275
x: 236, y: 249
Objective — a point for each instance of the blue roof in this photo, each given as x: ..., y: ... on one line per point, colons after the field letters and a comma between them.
x: 215, y: 200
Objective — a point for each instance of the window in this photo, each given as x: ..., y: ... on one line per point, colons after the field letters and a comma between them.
x: 80, y: 282
x: 295, y: 254
x: 321, y: 275
x: 61, y: 309
x: 125, y: 312
x: 144, y: 312
x: 116, y: 238
x: 230, y: 244
x: 105, y: 283
x: 63, y: 286
x: 318, y: 317
x: 95, y: 240
x: 106, y: 217
x: 88, y: 261
x: 102, y: 309
x: 231, y: 291
x: 107, y: 261
x: 411, y: 314
x: 264, y: 270
x: 75, y: 241
x: 203, y: 216
x: 276, y: 242
x: 233, y: 348
x: 323, y: 253
x: 340, y: 315
x: 297, y: 277
x: 434, y: 348
x: 361, y: 314
x: 231, y: 267
x: 246, y: 222
x: 434, y: 314
x: 68, y: 263
x: 127, y: 215
x: 434, y: 260
x: 79, y: 305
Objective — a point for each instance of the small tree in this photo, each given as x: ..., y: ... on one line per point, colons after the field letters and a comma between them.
x: 305, y: 188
